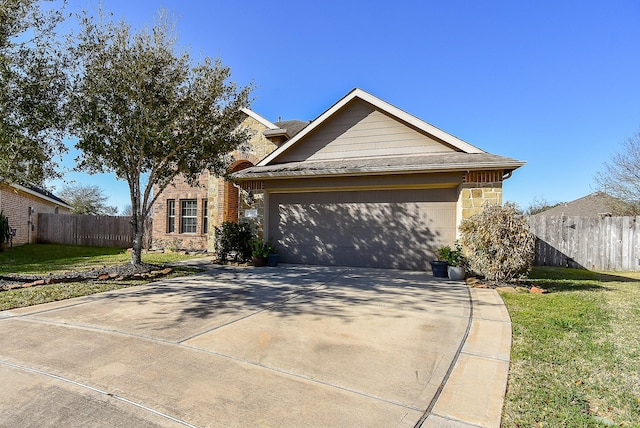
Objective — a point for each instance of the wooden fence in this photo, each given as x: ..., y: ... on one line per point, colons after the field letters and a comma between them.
x: 608, y: 243
x: 95, y: 231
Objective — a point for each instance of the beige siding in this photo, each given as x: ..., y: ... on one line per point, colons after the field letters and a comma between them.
x: 383, y: 228
x: 362, y: 131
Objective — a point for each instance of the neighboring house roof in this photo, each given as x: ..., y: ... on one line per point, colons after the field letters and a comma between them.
x: 597, y: 204
x: 445, y: 153
x: 40, y: 193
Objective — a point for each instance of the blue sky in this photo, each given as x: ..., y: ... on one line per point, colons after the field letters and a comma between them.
x: 554, y: 83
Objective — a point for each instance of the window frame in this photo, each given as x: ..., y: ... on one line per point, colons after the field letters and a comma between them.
x: 205, y: 216
x: 171, y: 216
x: 191, y: 217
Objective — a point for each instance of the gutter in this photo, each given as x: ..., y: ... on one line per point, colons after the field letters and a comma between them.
x: 377, y: 171
x: 40, y: 195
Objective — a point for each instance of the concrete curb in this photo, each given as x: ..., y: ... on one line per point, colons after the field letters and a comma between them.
x: 473, y: 396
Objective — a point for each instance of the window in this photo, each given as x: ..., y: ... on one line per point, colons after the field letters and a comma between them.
x: 189, y: 216
x: 205, y: 216
x: 171, y: 216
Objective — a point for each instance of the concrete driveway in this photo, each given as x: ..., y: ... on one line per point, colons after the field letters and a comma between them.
x: 286, y: 346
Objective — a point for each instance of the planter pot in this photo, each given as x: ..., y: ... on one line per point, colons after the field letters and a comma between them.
x: 273, y: 259
x: 439, y: 269
x: 456, y: 273
x: 259, y: 261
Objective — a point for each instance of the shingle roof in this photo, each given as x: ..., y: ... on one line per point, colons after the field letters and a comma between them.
x: 291, y: 126
x: 46, y: 193
x: 441, y: 162
x: 596, y: 204
x: 38, y: 192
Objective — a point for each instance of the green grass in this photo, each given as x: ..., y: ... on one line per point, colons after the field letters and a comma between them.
x: 576, y: 351
x: 52, y: 258
x: 21, y: 297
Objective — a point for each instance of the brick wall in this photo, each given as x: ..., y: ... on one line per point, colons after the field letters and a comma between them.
x: 15, y: 205
x: 224, y: 201
x: 179, y: 191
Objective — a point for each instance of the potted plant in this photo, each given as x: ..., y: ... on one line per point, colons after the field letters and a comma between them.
x: 439, y: 266
x: 259, y: 252
x: 273, y: 257
x: 454, y: 259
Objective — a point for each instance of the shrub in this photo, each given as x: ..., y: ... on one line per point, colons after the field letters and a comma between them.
x: 498, y: 243
x: 233, y: 239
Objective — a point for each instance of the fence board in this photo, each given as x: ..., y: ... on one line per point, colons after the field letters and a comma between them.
x: 95, y: 231
x: 609, y: 243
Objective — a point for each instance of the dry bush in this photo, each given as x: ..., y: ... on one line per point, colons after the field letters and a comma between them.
x: 498, y: 243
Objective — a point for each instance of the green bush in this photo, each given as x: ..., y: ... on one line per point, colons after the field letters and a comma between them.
x: 498, y: 243
x: 233, y: 239
x: 262, y: 248
x: 453, y: 257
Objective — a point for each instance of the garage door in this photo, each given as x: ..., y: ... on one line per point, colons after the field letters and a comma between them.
x: 386, y: 228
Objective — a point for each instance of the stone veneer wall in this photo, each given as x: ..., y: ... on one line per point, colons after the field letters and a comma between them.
x: 259, y: 148
x: 473, y: 196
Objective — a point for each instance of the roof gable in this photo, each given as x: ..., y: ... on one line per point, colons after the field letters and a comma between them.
x: 361, y: 125
x: 267, y: 124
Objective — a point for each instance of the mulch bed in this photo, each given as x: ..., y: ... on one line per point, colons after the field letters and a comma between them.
x: 511, y: 287
x: 108, y: 273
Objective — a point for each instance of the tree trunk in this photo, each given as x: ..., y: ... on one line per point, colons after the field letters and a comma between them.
x: 137, y: 223
x: 138, y: 233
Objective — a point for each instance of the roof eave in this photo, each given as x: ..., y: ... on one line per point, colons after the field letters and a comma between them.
x: 258, y: 118
x: 40, y: 195
x: 270, y: 133
x: 379, y: 171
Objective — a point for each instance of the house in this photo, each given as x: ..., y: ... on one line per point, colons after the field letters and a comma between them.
x: 184, y: 215
x: 597, y: 204
x: 22, y: 203
x: 364, y: 184
x: 367, y: 184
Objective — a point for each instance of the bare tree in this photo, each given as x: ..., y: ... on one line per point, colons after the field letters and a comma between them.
x: 540, y: 204
x: 620, y: 176
x: 88, y: 200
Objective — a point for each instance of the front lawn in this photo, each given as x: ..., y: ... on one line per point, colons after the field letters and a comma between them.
x: 53, y: 258
x: 575, y: 359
